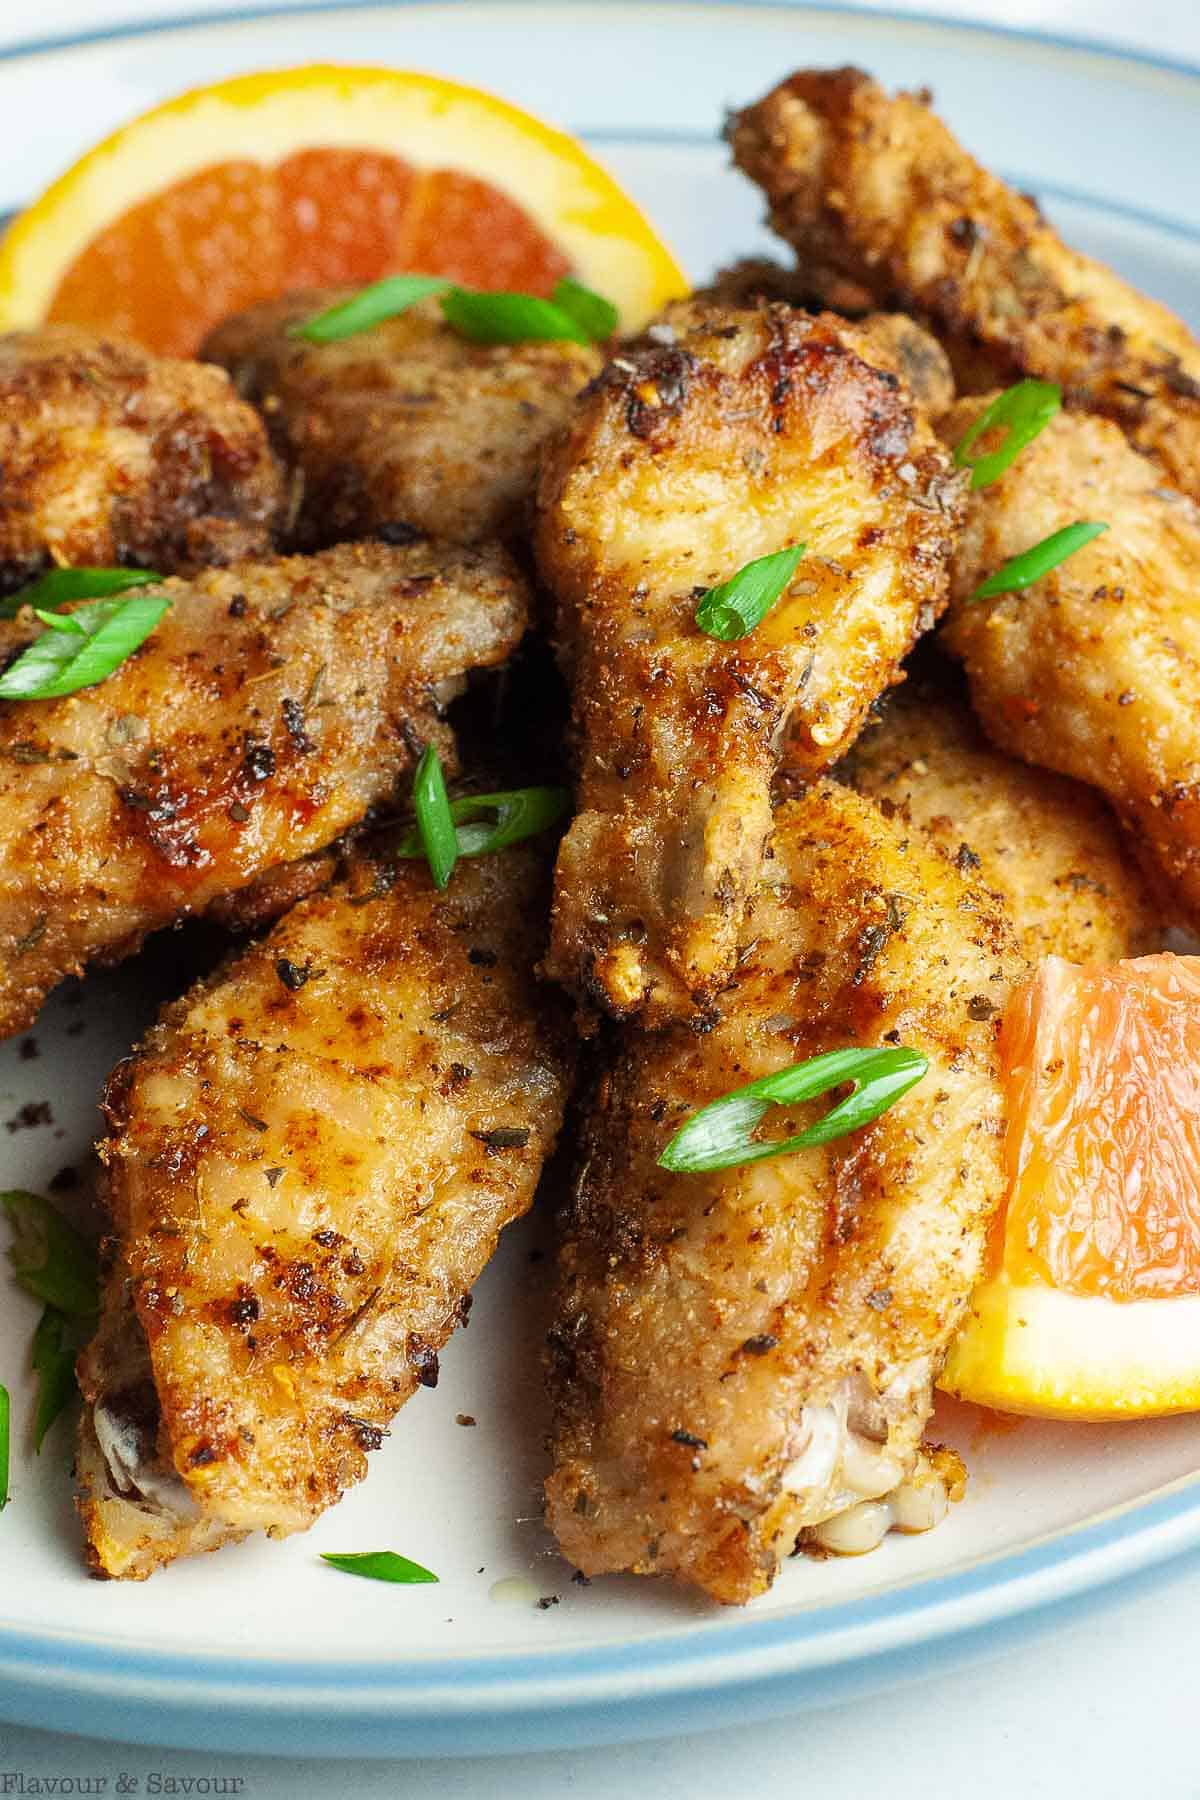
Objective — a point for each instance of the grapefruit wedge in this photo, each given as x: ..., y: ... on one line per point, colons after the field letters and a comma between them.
x: 321, y: 176
x: 1091, y: 1306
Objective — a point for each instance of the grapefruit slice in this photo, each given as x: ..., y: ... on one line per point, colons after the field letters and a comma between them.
x: 1091, y: 1305
x: 327, y: 176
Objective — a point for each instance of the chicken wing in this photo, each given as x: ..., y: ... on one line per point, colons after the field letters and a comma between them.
x: 876, y: 191
x: 309, y: 1162
x: 1095, y: 670
x: 887, y: 340
x: 275, y: 704
x: 405, y: 425
x: 753, y: 430
x: 740, y: 1356
x: 109, y: 456
x: 1048, y: 848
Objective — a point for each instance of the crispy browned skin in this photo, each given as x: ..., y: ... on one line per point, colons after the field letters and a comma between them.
x: 890, y: 341
x: 1095, y: 670
x: 408, y: 424
x: 275, y: 703
x: 1048, y: 848
x: 714, y: 1330
x: 110, y: 455
x: 309, y: 1163
x: 753, y: 430
x: 874, y: 189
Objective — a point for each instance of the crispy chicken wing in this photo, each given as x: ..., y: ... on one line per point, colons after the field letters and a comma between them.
x: 110, y: 455
x: 1047, y: 847
x: 408, y: 424
x: 752, y: 431
x: 274, y: 705
x: 309, y: 1161
x: 743, y: 1355
x: 1095, y: 669
x: 876, y: 191
x: 887, y: 340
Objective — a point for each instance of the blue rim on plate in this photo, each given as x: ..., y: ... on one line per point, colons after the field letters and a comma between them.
x: 743, y: 1667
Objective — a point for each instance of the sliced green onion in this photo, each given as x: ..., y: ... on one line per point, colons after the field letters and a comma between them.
x: 1025, y: 410
x: 5, y: 1417
x: 597, y: 316
x: 55, y: 1343
x: 49, y: 1258
x: 435, y: 823
x: 1021, y: 571
x: 574, y: 312
x: 519, y: 813
x: 99, y: 637
x: 379, y: 1565
x: 733, y: 610
x: 510, y: 318
x: 719, y: 1136
x: 58, y: 586
x: 371, y: 305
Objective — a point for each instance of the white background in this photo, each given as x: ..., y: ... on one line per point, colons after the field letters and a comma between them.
x: 1104, y: 1706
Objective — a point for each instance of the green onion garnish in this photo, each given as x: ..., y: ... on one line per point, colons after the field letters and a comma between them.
x: 379, y: 1565
x: 83, y: 648
x: 573, y: 312
x: 598, y: 316
x: 49, y: 1258
x: 55, y: 1344
x: 719, y: 1135
x: 1025, y: 410
x: 5, y: 1416
x: 732, y: 610
x: 435, y: 823
x: 58, y: 586
x: 371, y: 305
x: 1021, y: 571
x: 510, y: 318
x: 519, y: 813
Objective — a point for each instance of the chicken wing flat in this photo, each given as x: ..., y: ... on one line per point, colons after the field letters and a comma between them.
x: 109, y: 455
x: 407, y: 424
x: 1095, y: 670
x: 741, y: 1356
x: 274, y: 705
x: 752, y: 431
x: 1048, y: 848
x: 309, y: 1162
x: 876, y: 191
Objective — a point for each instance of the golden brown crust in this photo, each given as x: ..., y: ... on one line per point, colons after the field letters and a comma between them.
x: 310, y: 1160
x: 276, y: 703
x: 1093, y: 671
x: 109, y: 455
x: 752, y: 431
x: 873, y: 189
x: 1049, y: 849
x: 408, y: 424
x: 698, y: 1316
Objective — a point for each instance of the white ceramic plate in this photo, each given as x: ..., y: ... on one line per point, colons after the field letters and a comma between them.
x: 262, y: 1647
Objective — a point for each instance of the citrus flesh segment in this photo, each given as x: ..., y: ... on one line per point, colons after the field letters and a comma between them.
x: 1091, y: 1307
x: 329, y: 176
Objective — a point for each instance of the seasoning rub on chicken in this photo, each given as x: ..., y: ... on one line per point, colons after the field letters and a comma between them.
x: 407, y: 424
x: 1049, y: 848
x: 884, y: 207
x: 751, y: 431
x: 742, y: 1356
x: 309, y: 1162
x: 1094, y: 670
x: 109, y: 455
x: 276, y: 702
